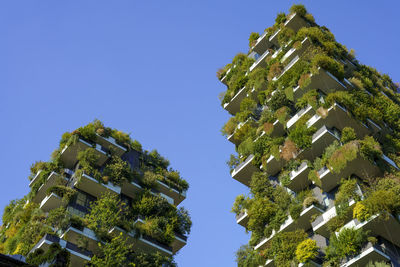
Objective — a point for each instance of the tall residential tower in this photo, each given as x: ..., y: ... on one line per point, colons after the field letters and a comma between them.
x: 317, y: 136
x: 100, y: 200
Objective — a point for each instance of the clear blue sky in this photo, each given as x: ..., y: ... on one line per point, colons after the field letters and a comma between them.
x: 148, y: 68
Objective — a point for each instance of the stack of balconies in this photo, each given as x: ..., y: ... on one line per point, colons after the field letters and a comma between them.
x: 313, y: 219
x: 93, y: 189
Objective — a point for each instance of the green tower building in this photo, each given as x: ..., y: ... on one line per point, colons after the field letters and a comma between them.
x: 102, y: 201
x: 317, y: 136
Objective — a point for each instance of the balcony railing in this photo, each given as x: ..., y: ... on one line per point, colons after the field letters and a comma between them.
x: 299, y: 178
x: 78, y: 255
x: 369, y: 253
x: 242, y: 218
x: 69, y: 153
x: 303, y: 222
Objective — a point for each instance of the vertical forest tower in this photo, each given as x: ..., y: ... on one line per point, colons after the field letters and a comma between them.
x: 317, y: 136
x: 101, y: 200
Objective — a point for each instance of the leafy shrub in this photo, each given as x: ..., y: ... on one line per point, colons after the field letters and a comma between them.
x: 342, y: 156
x: 37, y: 166
x: 87, y: 161
x: 370, y: 149
x: 246, y: 256
x: 305, y: 80
x: 173, y: 179
x: 309, y: 17
x: 260, y: 186
x: 306, y: 250
x: 282, y: 114
x: 253, y: 38
x: 280, y: 18
x: 283, y: 247
x: 382, y: 201
x: 285, y: 35
x: 150, y: 178
x: 347, y: 190
x: 301, y: 135
x: 240, y: 204
x: 360, y: 212
x: 289, y: 150
x: 246, y: 130
x: 106, y: 212
x: 62, y: 191
x: 233, y: 162
x: 278, y: 100
x: 55, y: 252
x: 298, y: 9
x: 295, y: 210
x: 257, y: 79
x: 309, y: 201
x: 118, y: 170
x: 247, y: 107
x: 347, y: 243
x: 261, y: 211
x: 275, y: 70
x: 113, y: 253
x: 229, y: 127
x: 328, y: 64
x: 309, y: 98
x: 246, y: 147
x: 348, y: 134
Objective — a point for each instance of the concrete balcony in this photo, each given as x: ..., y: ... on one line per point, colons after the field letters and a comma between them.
x: 384, y: 225
x: 143, y: 243
x: 320, y: 224
x: 178, y: 242
x: 269, y: 263
x: 93, y: 187
x: 307, y: 111
x: 231, y: 138
x: 233, y: 106
x: 245, y: 170
x: 170, y: 192
x: 323, y: 80
x: 277, y: 129
x: 78, y: 257
x: 273, y: 165
x: 242, y: 218
x: 51, y: 202
x: 320, y: 140
x: 293, y: 52
x: 369, y: 253
x: 262, y: 44
x: 303, y: 222
x: 338, y: 117
x: 111, y: 144
x: 131, y: 189
x: 223, y: 79
x: 359, y: 166
x: 299, y: 178
x: 74, y: 235
x: 294, y: 22
x: 52, y: 180
x: 287, y: 67
x: 260, y: 62
x: 69, y: 154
